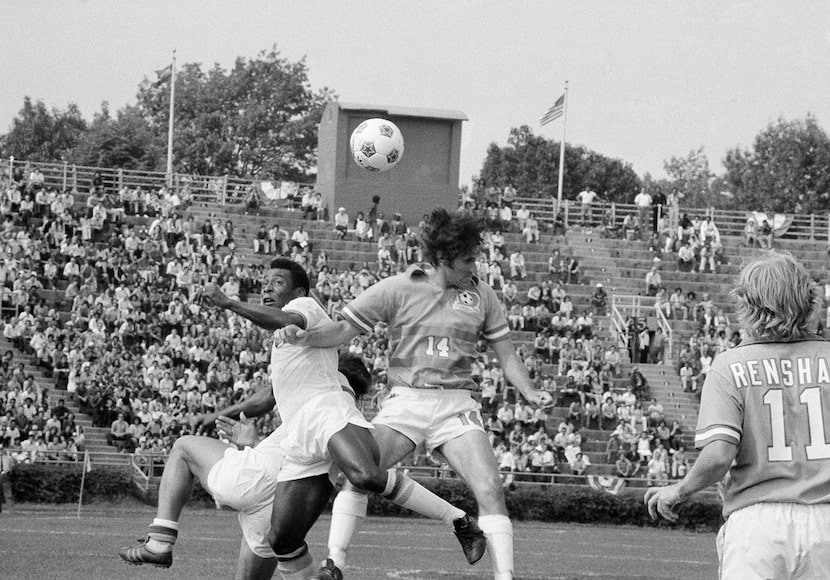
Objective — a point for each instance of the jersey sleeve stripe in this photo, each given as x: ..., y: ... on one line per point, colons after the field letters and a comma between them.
x: 500, y: 333
x: 356, y: 319
x: 717, y: 433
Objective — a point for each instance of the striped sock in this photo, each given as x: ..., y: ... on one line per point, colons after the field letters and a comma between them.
x: 162, y: 535
x: 407, y: 493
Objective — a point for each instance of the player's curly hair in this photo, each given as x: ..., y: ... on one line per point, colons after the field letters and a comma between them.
x: 447, y: 235
x: 356, y: 373
x: 776, y: 298
x: 299, y: 277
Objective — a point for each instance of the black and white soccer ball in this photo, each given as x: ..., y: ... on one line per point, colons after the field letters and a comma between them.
x: 377, y: 145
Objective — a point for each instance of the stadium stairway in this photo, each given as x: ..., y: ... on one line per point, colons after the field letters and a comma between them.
x: 95, y: 437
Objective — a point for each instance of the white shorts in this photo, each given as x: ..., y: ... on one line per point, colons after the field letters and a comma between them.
x: 430, y: 416
x: 775, y: 540
x: 307, y: 434
x: 246, y: 480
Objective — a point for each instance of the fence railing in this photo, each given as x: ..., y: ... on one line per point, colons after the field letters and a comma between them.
x: 222, y: 189
x: 729, y: 222
x: 624, y: 306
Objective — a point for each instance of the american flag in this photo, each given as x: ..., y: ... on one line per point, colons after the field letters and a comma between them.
x: 554, y: 112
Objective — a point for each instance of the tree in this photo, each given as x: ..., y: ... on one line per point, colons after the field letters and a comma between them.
x: 126, y: 141
x: 692, y: 177
x: 38, y: 134
x: 259, y: 118
x: 531, y: 164
x: 787, y: 169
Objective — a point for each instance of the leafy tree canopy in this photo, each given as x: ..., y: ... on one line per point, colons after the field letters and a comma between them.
x: 38, y: 134
x: 530, y: 163
x: 259, y: 118
x: 786, y: 170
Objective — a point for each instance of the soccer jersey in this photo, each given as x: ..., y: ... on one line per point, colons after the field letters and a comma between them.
x: 771, y: 399
x: 432, y: 330
x: 291, y: 379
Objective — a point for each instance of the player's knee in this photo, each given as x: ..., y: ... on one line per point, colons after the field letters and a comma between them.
x: 282, y: 541
x: 489, y: 494
x: 183, y: 446
x: 369, y: 478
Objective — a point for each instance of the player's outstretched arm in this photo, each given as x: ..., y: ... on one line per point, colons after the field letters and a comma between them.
x: 256, y: 405
x: 267, y: 317
x: 710, y: 467
x: 325, y: 336
x: 515, y: 373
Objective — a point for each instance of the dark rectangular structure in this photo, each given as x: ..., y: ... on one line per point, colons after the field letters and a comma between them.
x: 426, y: 176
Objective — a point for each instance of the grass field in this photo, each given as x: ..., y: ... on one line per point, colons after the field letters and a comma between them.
x: 52, y: 543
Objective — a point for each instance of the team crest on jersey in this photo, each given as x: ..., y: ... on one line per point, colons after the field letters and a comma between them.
x: 466, y: 301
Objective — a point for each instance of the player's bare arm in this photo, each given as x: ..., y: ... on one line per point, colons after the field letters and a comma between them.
x: 710, y: 467
x: 261, y: 402
x: 327, y: 335
x: 265, y: 316
x: 515, y: 373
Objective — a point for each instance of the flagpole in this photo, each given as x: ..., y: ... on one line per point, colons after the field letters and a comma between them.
x: 169, y: 176
x: 83, y: 481
x: 562, y: 152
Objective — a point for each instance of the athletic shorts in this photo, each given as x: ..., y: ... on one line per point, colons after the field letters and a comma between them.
x: 307, y: 434
x: 430, y: 416
x: 775, y: 540
x: 246, y: 480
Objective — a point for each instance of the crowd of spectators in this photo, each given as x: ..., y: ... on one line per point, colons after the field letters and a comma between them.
x: 103, y: 290
x: 109, y: 308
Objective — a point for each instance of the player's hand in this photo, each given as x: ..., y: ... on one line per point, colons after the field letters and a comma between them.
x: 202, y: 422
x: 291, y: 334
x: 540, y: 398
x: 664, y: 501
x: 213, y: 295
x: 241, y: 433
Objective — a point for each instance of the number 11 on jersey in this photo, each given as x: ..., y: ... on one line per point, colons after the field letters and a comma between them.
x: 779, y: 450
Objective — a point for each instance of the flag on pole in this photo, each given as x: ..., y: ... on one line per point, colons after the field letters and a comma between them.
x: 554, y: 112
x: 87, y: 462
x: 163, y: 75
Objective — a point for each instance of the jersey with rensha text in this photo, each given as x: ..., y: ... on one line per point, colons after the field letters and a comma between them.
x: 771, y: 399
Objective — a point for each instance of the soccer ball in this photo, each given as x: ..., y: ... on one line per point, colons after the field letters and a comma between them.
x: 377, y: 145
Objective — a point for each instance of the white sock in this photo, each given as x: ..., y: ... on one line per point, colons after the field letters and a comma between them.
x: 407, y: 493
x: 499, y: 532
x: 347, y: 514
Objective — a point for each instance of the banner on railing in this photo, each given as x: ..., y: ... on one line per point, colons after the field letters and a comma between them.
x: 606, y: 483
x: 780, y: 222
x: 276, y: 191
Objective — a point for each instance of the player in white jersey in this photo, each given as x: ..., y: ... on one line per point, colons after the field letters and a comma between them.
x: 242, y: 476
x: 764, y: 423
x: 321, y: 424
x: 436, y: 313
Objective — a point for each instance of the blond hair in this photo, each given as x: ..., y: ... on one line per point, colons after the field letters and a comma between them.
x: 776, y: 298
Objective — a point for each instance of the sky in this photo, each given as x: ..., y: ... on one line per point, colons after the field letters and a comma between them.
x: 646, y: 80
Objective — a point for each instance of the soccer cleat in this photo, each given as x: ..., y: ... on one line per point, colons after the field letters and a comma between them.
x: 138, y: 555
x: 328, y: 571
x: 471, y: 537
